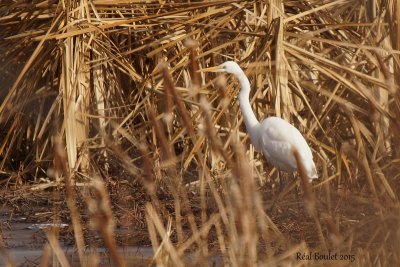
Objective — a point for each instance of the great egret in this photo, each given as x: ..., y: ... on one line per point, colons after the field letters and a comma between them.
x: 274, y: 137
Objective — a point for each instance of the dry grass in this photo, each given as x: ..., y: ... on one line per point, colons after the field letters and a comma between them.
x: 109, y: 89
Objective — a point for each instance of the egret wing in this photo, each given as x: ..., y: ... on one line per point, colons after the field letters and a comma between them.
x: 276, y: 137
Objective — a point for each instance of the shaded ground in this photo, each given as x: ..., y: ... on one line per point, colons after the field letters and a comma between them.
x: 26, y: 214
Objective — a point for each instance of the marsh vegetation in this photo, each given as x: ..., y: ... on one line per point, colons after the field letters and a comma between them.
x: 106, y: 125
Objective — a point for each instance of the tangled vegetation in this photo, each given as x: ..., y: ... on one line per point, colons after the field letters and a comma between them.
x: 101, y: 102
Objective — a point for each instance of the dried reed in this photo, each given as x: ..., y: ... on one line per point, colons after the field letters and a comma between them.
x: 123, y: 78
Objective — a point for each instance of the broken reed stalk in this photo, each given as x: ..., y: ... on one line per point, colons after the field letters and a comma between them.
x: 149, y: 180
x: 304, y: 182
x: 55, y: 229
x: 57, y: 250
x: 180, y: 105
x: 181, y: 201
x: 153, y: 219
x: 309, y: 195
x: 168, y: 115
x: 179, y: 192
x: 247, y: 207
x: 170, y: 88
x: 174, y: 183
x: 209, y: 130
x: 361, y: 150
x: 193, y: 67
x: 223, y: 92
x: 60, y: 167
x: 4, y: 253
x: 45, y: 260
x: 101, y: 215
x: 168, y: 153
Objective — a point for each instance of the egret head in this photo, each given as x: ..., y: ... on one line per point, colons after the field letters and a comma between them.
x: 228, y: 67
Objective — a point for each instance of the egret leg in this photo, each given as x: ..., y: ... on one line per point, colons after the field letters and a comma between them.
x: 277, y: 184
x: 283, y: 191
x: 281, y: 181
x: 297, y: 192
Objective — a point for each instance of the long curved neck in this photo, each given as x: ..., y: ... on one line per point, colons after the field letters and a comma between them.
x: 250, y: 119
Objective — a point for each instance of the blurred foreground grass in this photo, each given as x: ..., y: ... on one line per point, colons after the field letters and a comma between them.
x: 102, y: 106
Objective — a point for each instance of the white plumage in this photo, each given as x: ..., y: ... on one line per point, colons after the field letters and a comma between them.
x: 274, y: 137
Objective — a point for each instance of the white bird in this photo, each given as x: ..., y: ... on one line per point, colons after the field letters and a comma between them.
x: 274, y: 137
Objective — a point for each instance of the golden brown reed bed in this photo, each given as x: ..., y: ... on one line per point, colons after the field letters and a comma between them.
x: 101, y: 101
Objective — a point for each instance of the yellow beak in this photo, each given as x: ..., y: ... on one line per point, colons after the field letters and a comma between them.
x: 215, y: 68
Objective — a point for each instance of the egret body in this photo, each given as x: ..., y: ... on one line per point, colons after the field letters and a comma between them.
x: 274, y: 137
